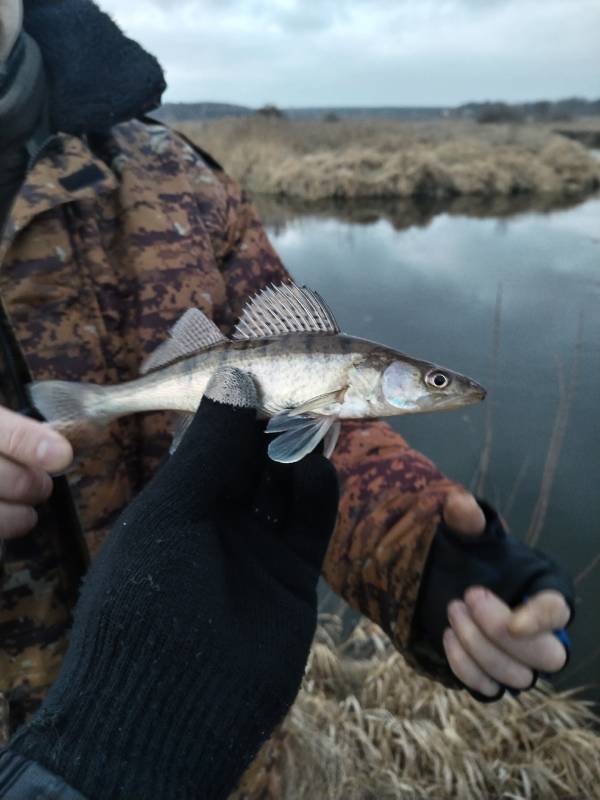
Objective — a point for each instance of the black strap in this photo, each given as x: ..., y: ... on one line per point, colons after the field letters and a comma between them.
x: 14, y: 377
x: 13, y: 369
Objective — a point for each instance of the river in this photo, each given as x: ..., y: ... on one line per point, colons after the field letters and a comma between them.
x: 508, y: 293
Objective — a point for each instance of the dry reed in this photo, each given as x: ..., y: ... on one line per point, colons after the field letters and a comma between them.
x: 566, y: 395
x: 480, y: 477
x: 366, y: 158
x: 367, y: 727
x: 589, y: 569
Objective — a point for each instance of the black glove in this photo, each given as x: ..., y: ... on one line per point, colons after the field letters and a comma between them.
x: 193, y: 628
x: 495, y: 560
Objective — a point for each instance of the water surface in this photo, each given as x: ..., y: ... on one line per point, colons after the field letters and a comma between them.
x: 509, y: 295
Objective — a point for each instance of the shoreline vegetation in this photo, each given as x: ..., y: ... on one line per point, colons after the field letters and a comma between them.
x: 365, y: 725
x: 350, y: 159
x: 408, y: 212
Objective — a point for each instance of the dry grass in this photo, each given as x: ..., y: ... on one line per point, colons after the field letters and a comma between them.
x: 366, y: 727
x: 364, y: 158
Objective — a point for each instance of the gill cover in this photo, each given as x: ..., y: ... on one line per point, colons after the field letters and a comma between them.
x: 402, y: 385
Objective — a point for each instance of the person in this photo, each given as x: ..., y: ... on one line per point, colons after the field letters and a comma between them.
x: 115, y: 225
x: 194, y: 623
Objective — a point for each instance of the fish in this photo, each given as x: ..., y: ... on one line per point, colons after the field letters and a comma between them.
x: 309, y: 376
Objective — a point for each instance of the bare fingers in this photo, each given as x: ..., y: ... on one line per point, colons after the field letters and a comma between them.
x: 32, y: 444
x: 16, y: 520
x: 21, y: 488
x: 494, y: 662
x: 541, y: 650
x: 545, y: 611
x: 465, y: 668
x: 20, y: 484
x: 28, y: 451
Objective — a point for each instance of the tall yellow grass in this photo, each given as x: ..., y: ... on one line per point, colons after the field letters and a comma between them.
x: 367, y: 727
x: 366, y: 158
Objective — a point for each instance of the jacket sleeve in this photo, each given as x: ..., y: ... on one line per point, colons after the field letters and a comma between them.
x: 391, y: 495
x: 22, y: 779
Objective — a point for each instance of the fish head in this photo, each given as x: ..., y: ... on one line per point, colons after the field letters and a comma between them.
x: 409, y: 386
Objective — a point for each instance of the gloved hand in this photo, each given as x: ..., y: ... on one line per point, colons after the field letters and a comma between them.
x: 11, y: 21
x: 193, y: 628
x: 495, y: 649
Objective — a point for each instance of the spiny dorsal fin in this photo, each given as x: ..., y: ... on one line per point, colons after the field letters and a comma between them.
x: 285, y: 309
x: 191, y: 333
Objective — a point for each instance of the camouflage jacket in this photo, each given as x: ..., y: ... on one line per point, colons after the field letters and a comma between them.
x: 109, y: 241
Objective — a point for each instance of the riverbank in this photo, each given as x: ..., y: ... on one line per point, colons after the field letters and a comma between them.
x: 407, y: 212
x: 350, y: 159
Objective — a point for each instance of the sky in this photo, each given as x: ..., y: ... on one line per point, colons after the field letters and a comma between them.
x: 369, y: 52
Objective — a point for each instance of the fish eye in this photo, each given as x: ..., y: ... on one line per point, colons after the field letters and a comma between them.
x: 437, y: 379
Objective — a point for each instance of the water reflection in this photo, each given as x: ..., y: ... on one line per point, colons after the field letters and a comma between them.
x: 402, y: 213
x: 507, y: 292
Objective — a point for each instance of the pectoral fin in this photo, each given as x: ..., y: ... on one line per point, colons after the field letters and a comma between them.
x: 299, y: 436
x: 331, y: 438
x: 181, y: 422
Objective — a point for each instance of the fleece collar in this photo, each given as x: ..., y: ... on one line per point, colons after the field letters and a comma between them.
x: 97, y: 77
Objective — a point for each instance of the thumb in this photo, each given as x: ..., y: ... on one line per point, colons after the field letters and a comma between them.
x: 463, y: 514
x: 314, y: 505
x: 218, y: 455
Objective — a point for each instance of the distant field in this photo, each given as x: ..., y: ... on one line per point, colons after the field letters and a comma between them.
x: 314, y: 160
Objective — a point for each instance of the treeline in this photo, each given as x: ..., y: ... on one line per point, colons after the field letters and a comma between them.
x: 186, y: 112
x: 539, y: 111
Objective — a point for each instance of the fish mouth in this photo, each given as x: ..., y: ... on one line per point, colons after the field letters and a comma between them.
x: 471, y: 394
x: 460, y: 400
x: 475, y: 395
x: 476, y: 391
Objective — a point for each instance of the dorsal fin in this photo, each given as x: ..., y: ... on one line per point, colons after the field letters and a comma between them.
x: 191, y: 333
x: 285, y: 309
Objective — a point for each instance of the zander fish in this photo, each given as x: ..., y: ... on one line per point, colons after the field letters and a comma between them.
x: 308, y: 376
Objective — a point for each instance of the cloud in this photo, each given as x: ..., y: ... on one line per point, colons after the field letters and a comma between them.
x: 369, y: 52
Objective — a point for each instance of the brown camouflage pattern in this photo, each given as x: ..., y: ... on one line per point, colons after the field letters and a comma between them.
x: 105, y: 248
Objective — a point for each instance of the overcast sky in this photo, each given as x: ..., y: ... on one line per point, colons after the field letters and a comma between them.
x: 369, y: 52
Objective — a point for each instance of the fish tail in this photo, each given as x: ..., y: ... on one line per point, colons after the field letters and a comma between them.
x: 70, y: 406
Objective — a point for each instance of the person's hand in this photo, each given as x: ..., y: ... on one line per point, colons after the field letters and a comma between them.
x: 194, y: 625
x: 485, y: 648
x: 494, y: 639
x: 29, y: 452
x: 11, y: 20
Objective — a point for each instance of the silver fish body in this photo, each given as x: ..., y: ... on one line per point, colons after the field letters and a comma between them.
x: 306, y: 380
